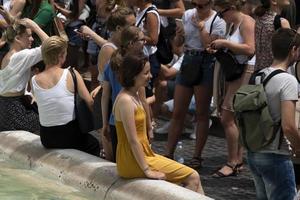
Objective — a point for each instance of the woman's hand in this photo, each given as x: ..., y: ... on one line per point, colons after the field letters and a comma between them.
x: 95, y: 91
x: 29, y: 23
x: 85, y: 32
x: 155, y: 174
x: 218, y: 44
x: 200, y: 24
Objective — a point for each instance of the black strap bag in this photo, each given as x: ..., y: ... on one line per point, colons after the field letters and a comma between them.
x: 83, y: 114
x: 232, y: 69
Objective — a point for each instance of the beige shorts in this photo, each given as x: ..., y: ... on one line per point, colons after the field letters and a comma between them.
x: 233, y: 86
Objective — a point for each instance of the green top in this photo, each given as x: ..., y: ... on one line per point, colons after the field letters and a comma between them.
x: 44, y: 18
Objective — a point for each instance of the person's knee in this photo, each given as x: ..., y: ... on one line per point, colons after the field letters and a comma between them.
x: 227, y: 121
x: 193, y: 179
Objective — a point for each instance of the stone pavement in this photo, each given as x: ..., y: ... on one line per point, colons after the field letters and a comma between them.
x: 215, y: 153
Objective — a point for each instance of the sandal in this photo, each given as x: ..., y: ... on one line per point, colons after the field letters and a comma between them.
x: 195, y: 163
x: 219, y: 174
x: 239, y: 167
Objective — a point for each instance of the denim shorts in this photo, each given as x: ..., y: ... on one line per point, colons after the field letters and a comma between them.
x: 274, y: 176
x: 206, y: 62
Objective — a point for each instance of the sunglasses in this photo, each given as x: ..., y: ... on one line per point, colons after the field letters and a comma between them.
x: 201, y: 6
x: 221, y: 13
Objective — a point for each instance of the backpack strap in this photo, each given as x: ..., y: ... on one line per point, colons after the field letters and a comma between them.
x: 145, y: 13
x: 274, y: 73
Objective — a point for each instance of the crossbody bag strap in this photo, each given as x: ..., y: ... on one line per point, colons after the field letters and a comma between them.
x: 144, y: 15
x: 75, y: 87
x: 212, y: 23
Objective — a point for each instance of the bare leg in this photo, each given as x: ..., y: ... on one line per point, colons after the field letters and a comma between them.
x: 232, y: 135
x: 182, y: 99
x: 193, y: 183
x: 203, y: 98
x: 160, y: 97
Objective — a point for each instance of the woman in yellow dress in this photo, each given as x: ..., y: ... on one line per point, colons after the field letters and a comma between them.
x: 135, y: 158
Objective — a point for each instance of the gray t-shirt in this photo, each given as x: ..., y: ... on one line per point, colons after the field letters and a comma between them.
x: 282, y: 87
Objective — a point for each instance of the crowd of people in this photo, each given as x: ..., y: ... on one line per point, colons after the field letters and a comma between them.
x: 144, y: 56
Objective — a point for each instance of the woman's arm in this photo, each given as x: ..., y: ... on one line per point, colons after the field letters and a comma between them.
x: 17, y: 7
x: 35, y: 28
x: 87, y: 32
x: 177, y: 10
x: 142, y: 95
x: 106, y: 94
x: 83, y: 92
x: 126, y: 109
x: 152, y: 29
x: 247, y: 32
x: 104, y: 57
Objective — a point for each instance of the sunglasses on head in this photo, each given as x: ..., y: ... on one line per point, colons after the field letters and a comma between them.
x: 201, y: 6
x: 221, y: 13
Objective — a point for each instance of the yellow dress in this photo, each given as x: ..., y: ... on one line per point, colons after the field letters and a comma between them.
x: 126, y: 163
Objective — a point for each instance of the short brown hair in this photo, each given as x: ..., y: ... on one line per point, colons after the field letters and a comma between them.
x: 52, y: 48
x: 283, y: 40
x: 133, y: 63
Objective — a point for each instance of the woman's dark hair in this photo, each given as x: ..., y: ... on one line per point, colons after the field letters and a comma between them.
x: 129, y: 35
x: 132, y: 64
x: 263, y: 8
x: 283, y: 41
x: 35, y: 6
x: 118, y: 18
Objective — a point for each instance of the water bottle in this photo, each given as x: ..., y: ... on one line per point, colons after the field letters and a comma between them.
x: 179, y: 153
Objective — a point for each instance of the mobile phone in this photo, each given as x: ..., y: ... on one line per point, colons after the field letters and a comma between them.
x: 77, y: 30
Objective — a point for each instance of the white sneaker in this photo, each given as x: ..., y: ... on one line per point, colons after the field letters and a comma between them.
x: 163, y: 129
x: 193, y: 135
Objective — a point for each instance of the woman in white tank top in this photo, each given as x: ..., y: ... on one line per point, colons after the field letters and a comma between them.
x: 241, y: 43
x: 53, y: 90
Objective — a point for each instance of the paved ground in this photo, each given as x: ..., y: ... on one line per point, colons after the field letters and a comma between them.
x: 230, y: 188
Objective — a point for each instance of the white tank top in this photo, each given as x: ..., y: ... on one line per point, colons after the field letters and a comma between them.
x: 237, y: 37
x: 56, y: 105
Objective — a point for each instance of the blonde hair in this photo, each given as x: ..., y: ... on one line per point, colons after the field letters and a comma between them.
x: 12, y: 31
x: 52, y: 48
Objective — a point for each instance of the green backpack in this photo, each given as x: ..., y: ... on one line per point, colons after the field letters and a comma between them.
x: 256, y: 126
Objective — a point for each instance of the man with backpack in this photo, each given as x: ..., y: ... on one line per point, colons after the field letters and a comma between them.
x: 265, y: 113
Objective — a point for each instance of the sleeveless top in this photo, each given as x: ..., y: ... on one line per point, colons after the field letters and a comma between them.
x: 148, y: 49
x: 264, y: 29
x: 56, y: 105
x: 237, y: 37
x: 101, y: 74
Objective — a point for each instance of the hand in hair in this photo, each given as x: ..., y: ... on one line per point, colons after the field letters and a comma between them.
x: 7, y: 16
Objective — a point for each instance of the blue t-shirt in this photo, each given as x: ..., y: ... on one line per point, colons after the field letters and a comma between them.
x: 116, y: 87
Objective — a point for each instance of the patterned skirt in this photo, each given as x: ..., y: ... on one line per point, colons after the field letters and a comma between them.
x: 16, y: 114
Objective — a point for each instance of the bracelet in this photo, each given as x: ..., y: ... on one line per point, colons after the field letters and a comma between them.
x: 146, y: 169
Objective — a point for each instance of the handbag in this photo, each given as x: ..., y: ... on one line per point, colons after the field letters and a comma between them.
x: 83, y: 114
x: 59, y: 29
x: 232, y: 69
